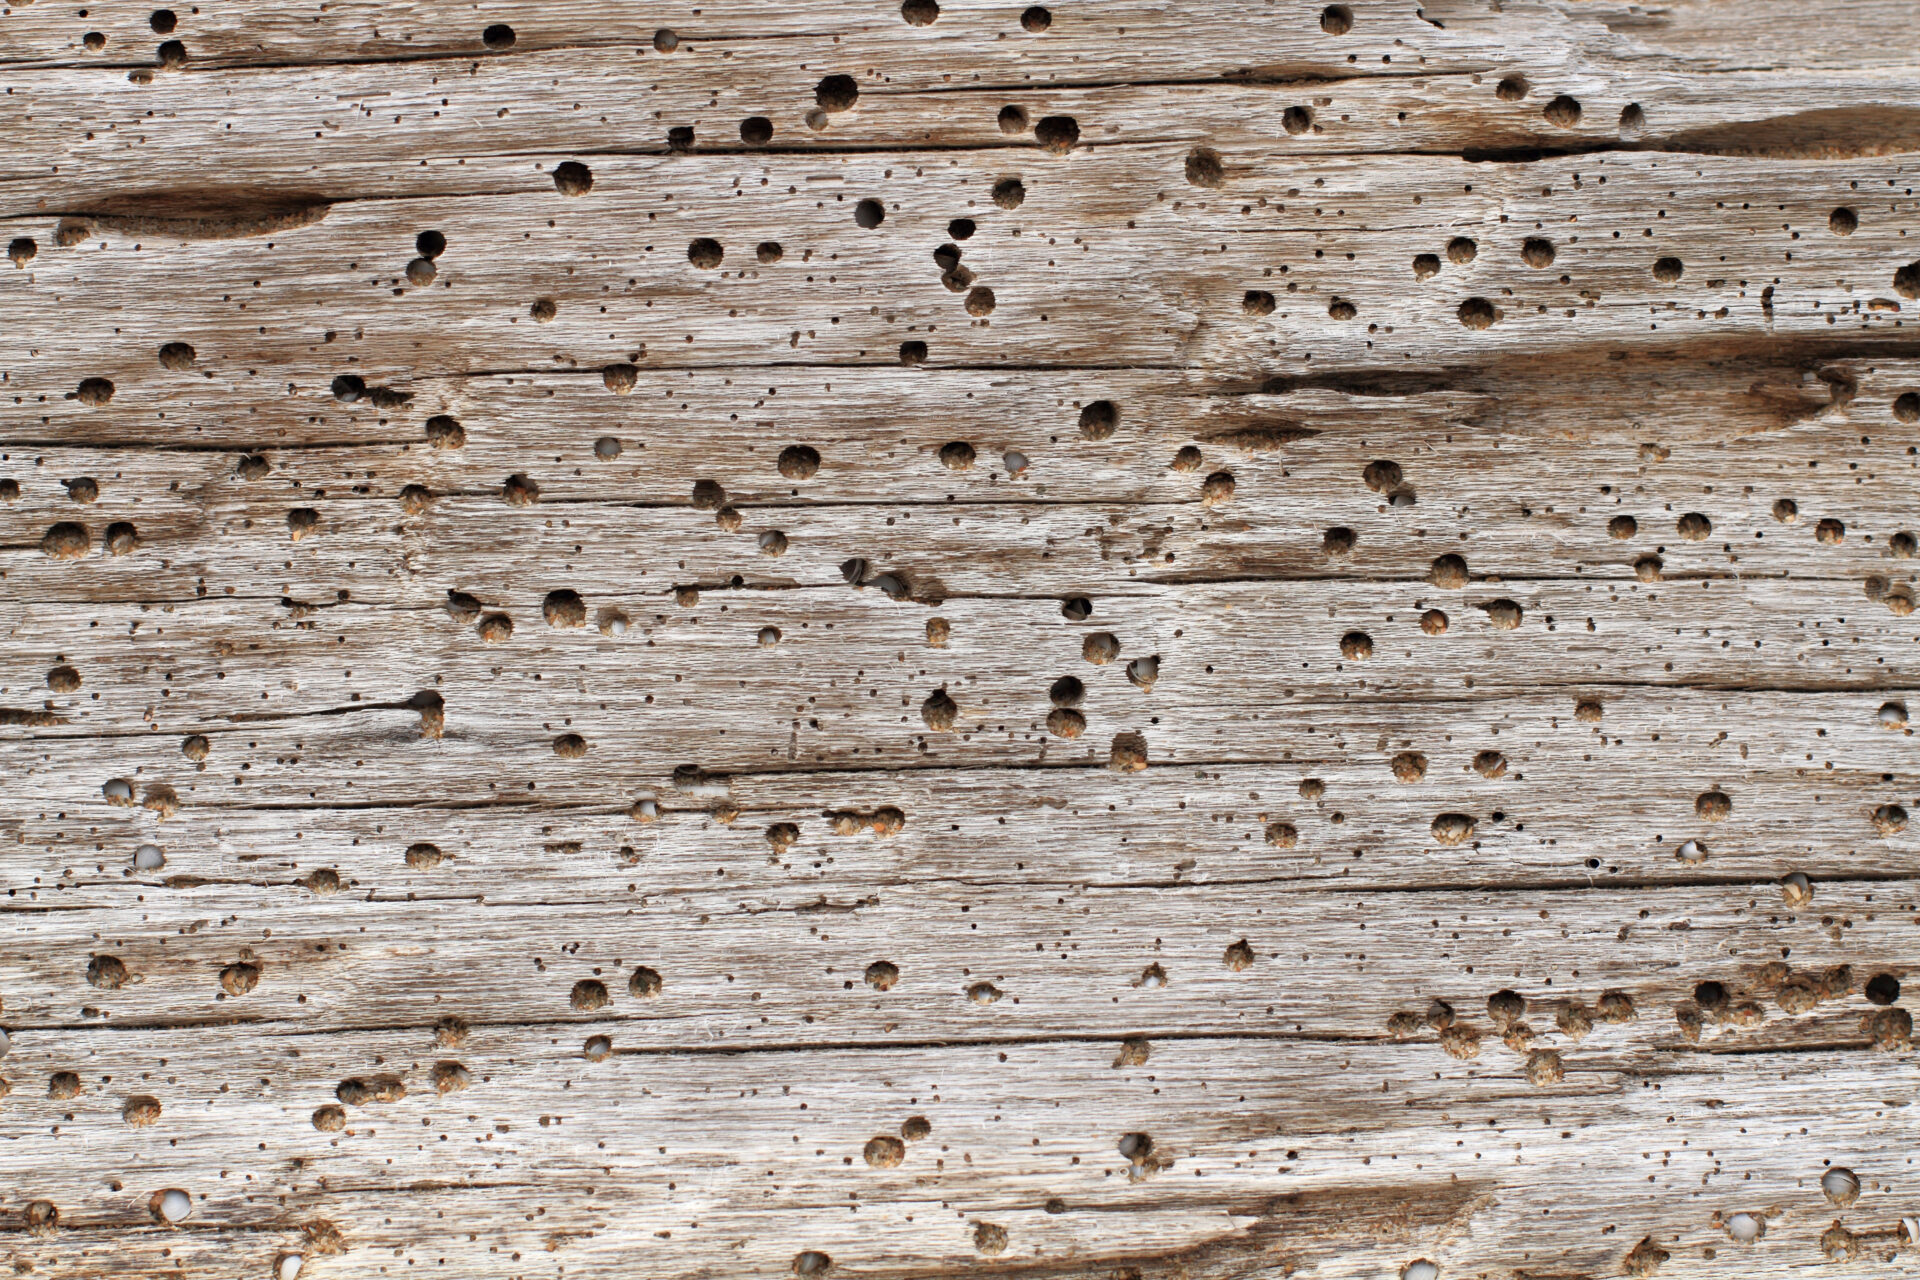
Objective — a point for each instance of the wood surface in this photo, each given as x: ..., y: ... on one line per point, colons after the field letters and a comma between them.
x: 1160, y: 641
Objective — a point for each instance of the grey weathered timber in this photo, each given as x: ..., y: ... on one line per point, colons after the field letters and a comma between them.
x: 1202, y: 641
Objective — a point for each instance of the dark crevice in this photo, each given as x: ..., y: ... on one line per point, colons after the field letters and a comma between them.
x: 1599, y: 884
x: 170, y: 446
x: 1371, y: 382
x: 1601, y: 887
x: 1160, y: 1035
x: 210, y: 213
x: 1850, y: 1045
x: 352, y: 708
x: 346, y: 806
x: 1831, y: 133
x: 1527, y: 154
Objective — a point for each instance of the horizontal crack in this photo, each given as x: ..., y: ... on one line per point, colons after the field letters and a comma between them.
x: 1161, y: 1035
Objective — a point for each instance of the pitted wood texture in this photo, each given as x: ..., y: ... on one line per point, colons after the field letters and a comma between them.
x: 1128, y: 642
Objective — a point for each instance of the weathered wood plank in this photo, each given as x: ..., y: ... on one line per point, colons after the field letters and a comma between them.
x: 1447, y: 104
x: 997, y: 652
x: 988, y: 38
x: 1198, y: 825
x: 1088, y: 303
x: 1182, y: 39
x: 431, y: 585
x: 1302, y: 451
x: 1255, y: 1150
x: 1218, y: 959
